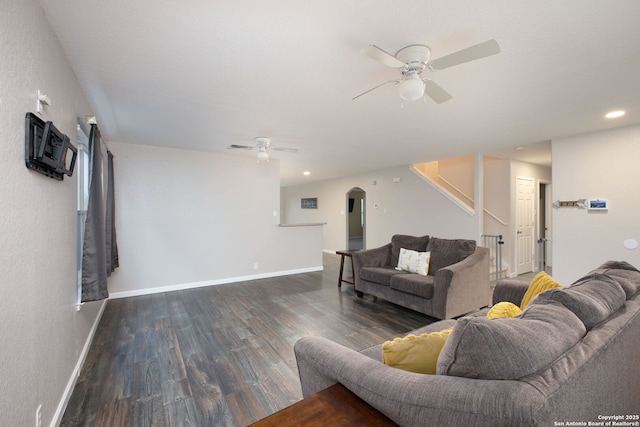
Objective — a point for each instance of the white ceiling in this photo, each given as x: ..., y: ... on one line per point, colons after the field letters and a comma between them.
x: 203, y: 74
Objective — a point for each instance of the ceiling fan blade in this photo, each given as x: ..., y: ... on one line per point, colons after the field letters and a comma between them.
x: 372, y: 89
x: 380, y: 55
x: 239, y: 147
x: 284, y: 149
x: 436, y: 92
x: 472, y: 53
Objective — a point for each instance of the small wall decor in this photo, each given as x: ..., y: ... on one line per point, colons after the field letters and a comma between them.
x: 581, y: 203
x: 598, y: 205
x: 309, y: 203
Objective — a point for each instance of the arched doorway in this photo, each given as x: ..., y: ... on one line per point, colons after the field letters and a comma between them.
x: 356, y: 218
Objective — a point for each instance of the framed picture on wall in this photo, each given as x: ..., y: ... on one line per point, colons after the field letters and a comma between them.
x: 309, y: 203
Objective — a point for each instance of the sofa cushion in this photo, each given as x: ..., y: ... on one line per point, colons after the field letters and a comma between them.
x: 541, y: 282
x: 413, y: 243
x: 413, y: 284
x: 510, y: 348
x: 414, y: 262
x: 593, y: 298
x: 624, y: 273
x: 445, y: 252
x: 380, y: 275
x: 503, y: 309
x: 415, y: 353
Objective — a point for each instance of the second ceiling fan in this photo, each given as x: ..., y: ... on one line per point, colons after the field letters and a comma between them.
x: 412, y: 60
x: 263, y: 144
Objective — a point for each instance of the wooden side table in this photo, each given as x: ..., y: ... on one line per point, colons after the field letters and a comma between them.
x: 333, y: 406
x: 346, y: 253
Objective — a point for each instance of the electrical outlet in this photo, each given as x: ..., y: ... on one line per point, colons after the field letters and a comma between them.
x: 255, y: 265
x: 39, y: 416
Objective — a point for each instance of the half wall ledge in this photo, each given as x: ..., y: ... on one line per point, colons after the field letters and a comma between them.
x: 308, y: 224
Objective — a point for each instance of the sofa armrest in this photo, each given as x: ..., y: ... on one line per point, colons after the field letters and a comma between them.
x: 510, y: 290
x: 462, y: 287
x: 408, y: 398
x: 376, y: 257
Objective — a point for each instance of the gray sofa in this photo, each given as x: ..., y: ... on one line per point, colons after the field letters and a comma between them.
x: 571, y: 356
x: 457, y: 282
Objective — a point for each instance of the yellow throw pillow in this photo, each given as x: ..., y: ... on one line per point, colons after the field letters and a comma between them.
x: 503, y: 309
x: 541, y: 282
x: 413, y: 353
x: 413, y: 261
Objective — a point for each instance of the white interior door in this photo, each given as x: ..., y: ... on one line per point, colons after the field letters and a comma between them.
x: 525, y: 192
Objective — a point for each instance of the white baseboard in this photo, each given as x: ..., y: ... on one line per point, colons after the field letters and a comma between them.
x: 62, y: 406
x: 178, y: 287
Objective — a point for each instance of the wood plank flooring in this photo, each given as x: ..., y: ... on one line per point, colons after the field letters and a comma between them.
x: 220, y: 355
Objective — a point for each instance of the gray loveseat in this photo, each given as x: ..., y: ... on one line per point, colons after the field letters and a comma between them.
x: 571, y: 356
x: 457, y: 282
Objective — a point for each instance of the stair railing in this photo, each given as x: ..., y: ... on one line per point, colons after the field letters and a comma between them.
x: 494, y: 243
x: 542, y: 254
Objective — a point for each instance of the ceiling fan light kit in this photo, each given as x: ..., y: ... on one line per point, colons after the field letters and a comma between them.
x: 263, y: 155
x: 412, y: 87
x: 412, y: 61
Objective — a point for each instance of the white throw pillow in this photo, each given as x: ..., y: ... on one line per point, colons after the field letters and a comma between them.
x: 414, y: 262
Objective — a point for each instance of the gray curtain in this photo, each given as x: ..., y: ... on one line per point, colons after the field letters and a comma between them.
x: 110, y: 220
x: 99, y: 248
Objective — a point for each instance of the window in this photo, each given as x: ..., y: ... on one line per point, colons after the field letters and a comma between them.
x: 82, y: 171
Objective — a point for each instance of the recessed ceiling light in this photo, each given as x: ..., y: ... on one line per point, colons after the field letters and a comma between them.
x: 614, y: 114
x: 519, y: 148
x: 306, y: 173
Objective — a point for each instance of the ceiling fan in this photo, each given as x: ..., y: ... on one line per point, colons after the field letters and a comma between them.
x: 412, y: 61
x: 263, y: 144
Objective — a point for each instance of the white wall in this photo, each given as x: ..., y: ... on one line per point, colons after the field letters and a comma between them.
x: 596, y: 165
x: 497, y: 194
x: 42, y: 335
x: 497, y: 200
x: 410, y: 206
x: 187, y: 218
x: 500, y: 199
x: 459, y: 172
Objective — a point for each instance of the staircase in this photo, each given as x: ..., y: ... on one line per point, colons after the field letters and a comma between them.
x: 461, y: 170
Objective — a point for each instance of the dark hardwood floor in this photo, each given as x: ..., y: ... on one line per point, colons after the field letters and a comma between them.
x: 220, y: 355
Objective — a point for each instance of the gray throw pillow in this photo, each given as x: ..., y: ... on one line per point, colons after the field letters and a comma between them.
x: 445, y: 252
x: 510, y: 348
x: 593, y: 298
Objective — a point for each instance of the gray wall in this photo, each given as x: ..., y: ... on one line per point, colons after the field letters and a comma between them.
x: 409, y: 206
x: 595, y: 165
x: 42, y: 334
x: 187, y: 218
